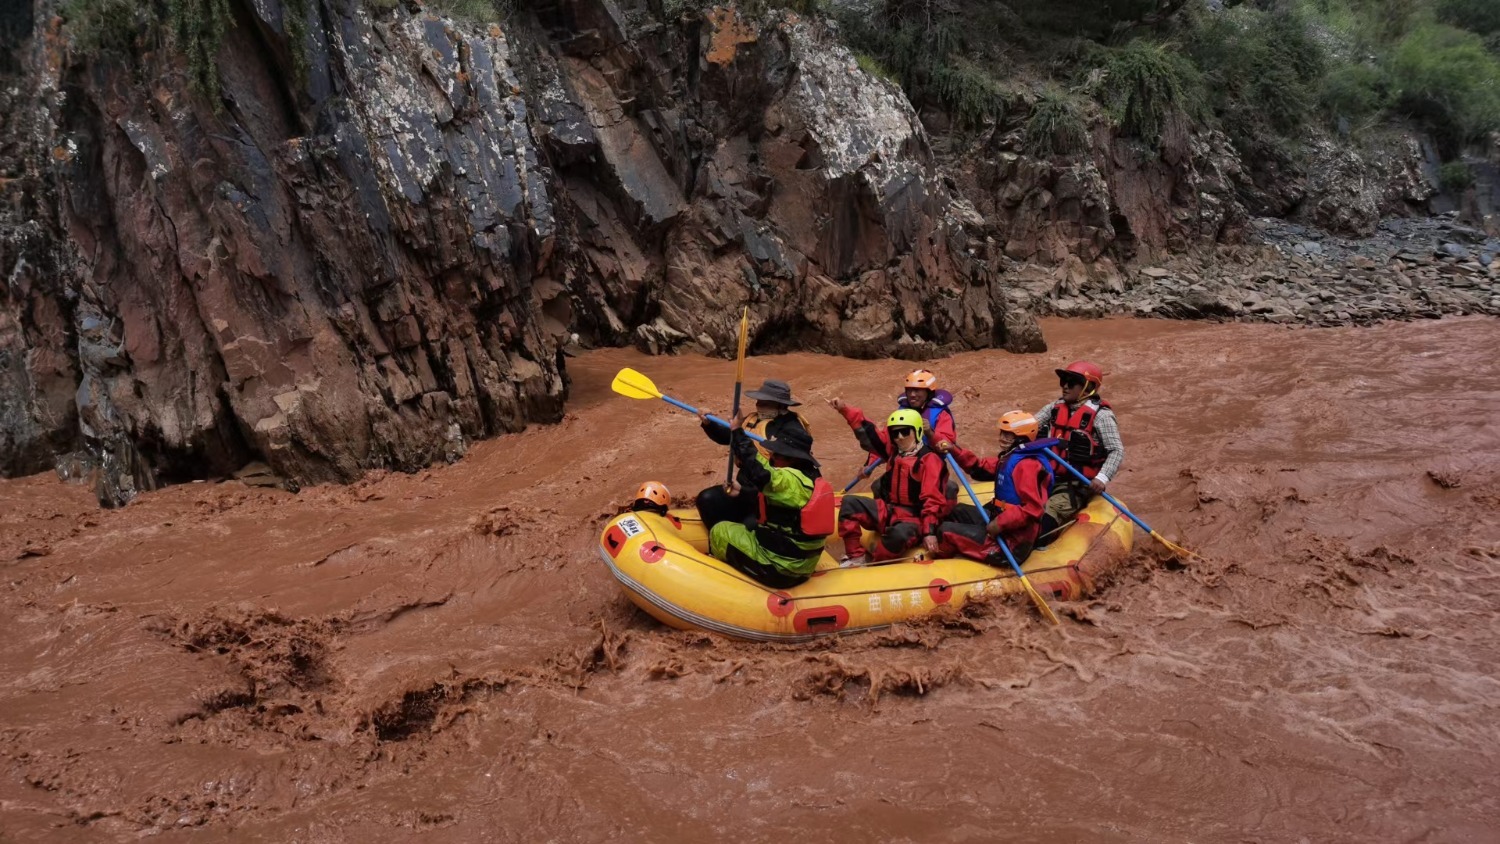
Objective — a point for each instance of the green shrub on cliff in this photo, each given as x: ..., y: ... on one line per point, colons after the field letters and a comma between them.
x: 198, y: 28
x: 1478, y: 16
x: 118, y: 27
x: 1144, y: 84
x: 1261, y: 68
x: 1455, y: 177
x: 1447, y: 80
x: 478, y: 11
x: 109, y: 27
x: 940, y: 59
x: 1057, y: 125
x: 1354, y: 91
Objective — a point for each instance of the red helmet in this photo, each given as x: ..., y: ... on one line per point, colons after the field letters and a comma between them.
x: 922, y: 379
x: 654, y: 492
x: 1093, y: 376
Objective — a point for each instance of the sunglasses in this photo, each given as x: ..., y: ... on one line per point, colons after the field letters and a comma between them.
x: 1070, y: 382
x: 903, y: 432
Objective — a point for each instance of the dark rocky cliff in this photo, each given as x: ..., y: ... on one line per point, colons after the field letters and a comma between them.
x: 370, y: 249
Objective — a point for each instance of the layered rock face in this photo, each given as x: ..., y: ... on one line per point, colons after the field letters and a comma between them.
x: 370, y: 250
x: 773, y: 174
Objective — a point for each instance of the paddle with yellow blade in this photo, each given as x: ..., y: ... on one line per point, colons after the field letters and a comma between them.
x: 1171, y: 546
x: 739, y: 380
x: 634, y: 385
x: 1036, y: 597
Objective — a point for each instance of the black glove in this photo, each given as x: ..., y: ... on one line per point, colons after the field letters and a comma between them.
x: 744, y: 448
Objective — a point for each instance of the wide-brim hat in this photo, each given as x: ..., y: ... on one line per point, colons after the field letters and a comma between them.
x: 772, y: 390
x: 791, y: 443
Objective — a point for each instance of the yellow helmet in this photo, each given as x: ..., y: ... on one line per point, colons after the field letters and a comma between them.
x: 905, y: 418
x: 922, y: 379
x: 1020, y: 423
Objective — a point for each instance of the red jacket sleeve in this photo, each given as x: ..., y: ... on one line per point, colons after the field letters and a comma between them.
x: 869, y: 435
x: 1031, y: 486
x: 934, y: 498
x: 944, y: 428
x: 979, y: 468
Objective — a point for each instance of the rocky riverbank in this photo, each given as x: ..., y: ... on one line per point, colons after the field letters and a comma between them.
x: 1411, y: 268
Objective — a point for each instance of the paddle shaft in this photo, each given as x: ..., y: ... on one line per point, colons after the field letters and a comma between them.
x: 864, y: 473
x: 739, y: 380
x: 1107, y: 497
x: 734, y: 412
x: 712, y: 418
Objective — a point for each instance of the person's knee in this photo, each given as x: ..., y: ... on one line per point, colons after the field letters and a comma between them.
x: 902, y: 533
x: 721, y: 537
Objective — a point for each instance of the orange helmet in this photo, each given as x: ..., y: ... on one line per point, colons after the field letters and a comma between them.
x: 654, y: 492
x: 1092, y: 375
x: 1020, y: 423
x: 922, y: 379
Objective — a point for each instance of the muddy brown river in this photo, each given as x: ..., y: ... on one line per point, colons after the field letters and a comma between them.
x: 443, y: 653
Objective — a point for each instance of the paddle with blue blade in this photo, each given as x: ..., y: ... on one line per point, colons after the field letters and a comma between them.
x: 1036, y: 597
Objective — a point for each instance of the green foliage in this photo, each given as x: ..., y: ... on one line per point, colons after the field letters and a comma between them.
x: 966, y: 92
x: 871, y: 65
x: 1354, y: 91
x: 1099, y: 20
x: 295, y: 14
x: 1262, y: 69
x: 1057, y: 125
x: 1144, y: 84
x: 1481, y: 16
x: 1447, y: 80
x: 104, y: 26
x: 476, y: 11
x: 1455, y: 177
x: 382, y: 5
x: 198, y: 28
x: 935, y: 58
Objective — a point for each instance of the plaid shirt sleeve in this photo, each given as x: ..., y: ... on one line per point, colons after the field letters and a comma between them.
x: 1108, y: 429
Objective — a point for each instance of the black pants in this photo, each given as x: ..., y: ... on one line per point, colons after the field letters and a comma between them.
x: 765, y: 574
x: 715, y: 505
x: 965, y: 533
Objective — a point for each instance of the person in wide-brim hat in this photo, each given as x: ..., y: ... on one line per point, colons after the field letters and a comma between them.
x: 773, y: 417
x: 775, y: 392
x: 780, y: 545
x: 792, y: 443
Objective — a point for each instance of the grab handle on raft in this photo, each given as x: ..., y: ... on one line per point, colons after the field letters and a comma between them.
x: 1122, y: 508
x: 1036, y: 597
x: 634, y: 385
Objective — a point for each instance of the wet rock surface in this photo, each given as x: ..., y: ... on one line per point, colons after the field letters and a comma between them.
x: 1294, y: 274
x: 371, y: 254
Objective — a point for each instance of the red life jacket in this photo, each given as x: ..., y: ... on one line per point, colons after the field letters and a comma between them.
x: 1080, y: 444
x: 903, y: 481
x: 789, y: 531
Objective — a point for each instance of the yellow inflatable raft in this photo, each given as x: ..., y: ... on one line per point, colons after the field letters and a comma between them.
x: 664, y: 566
